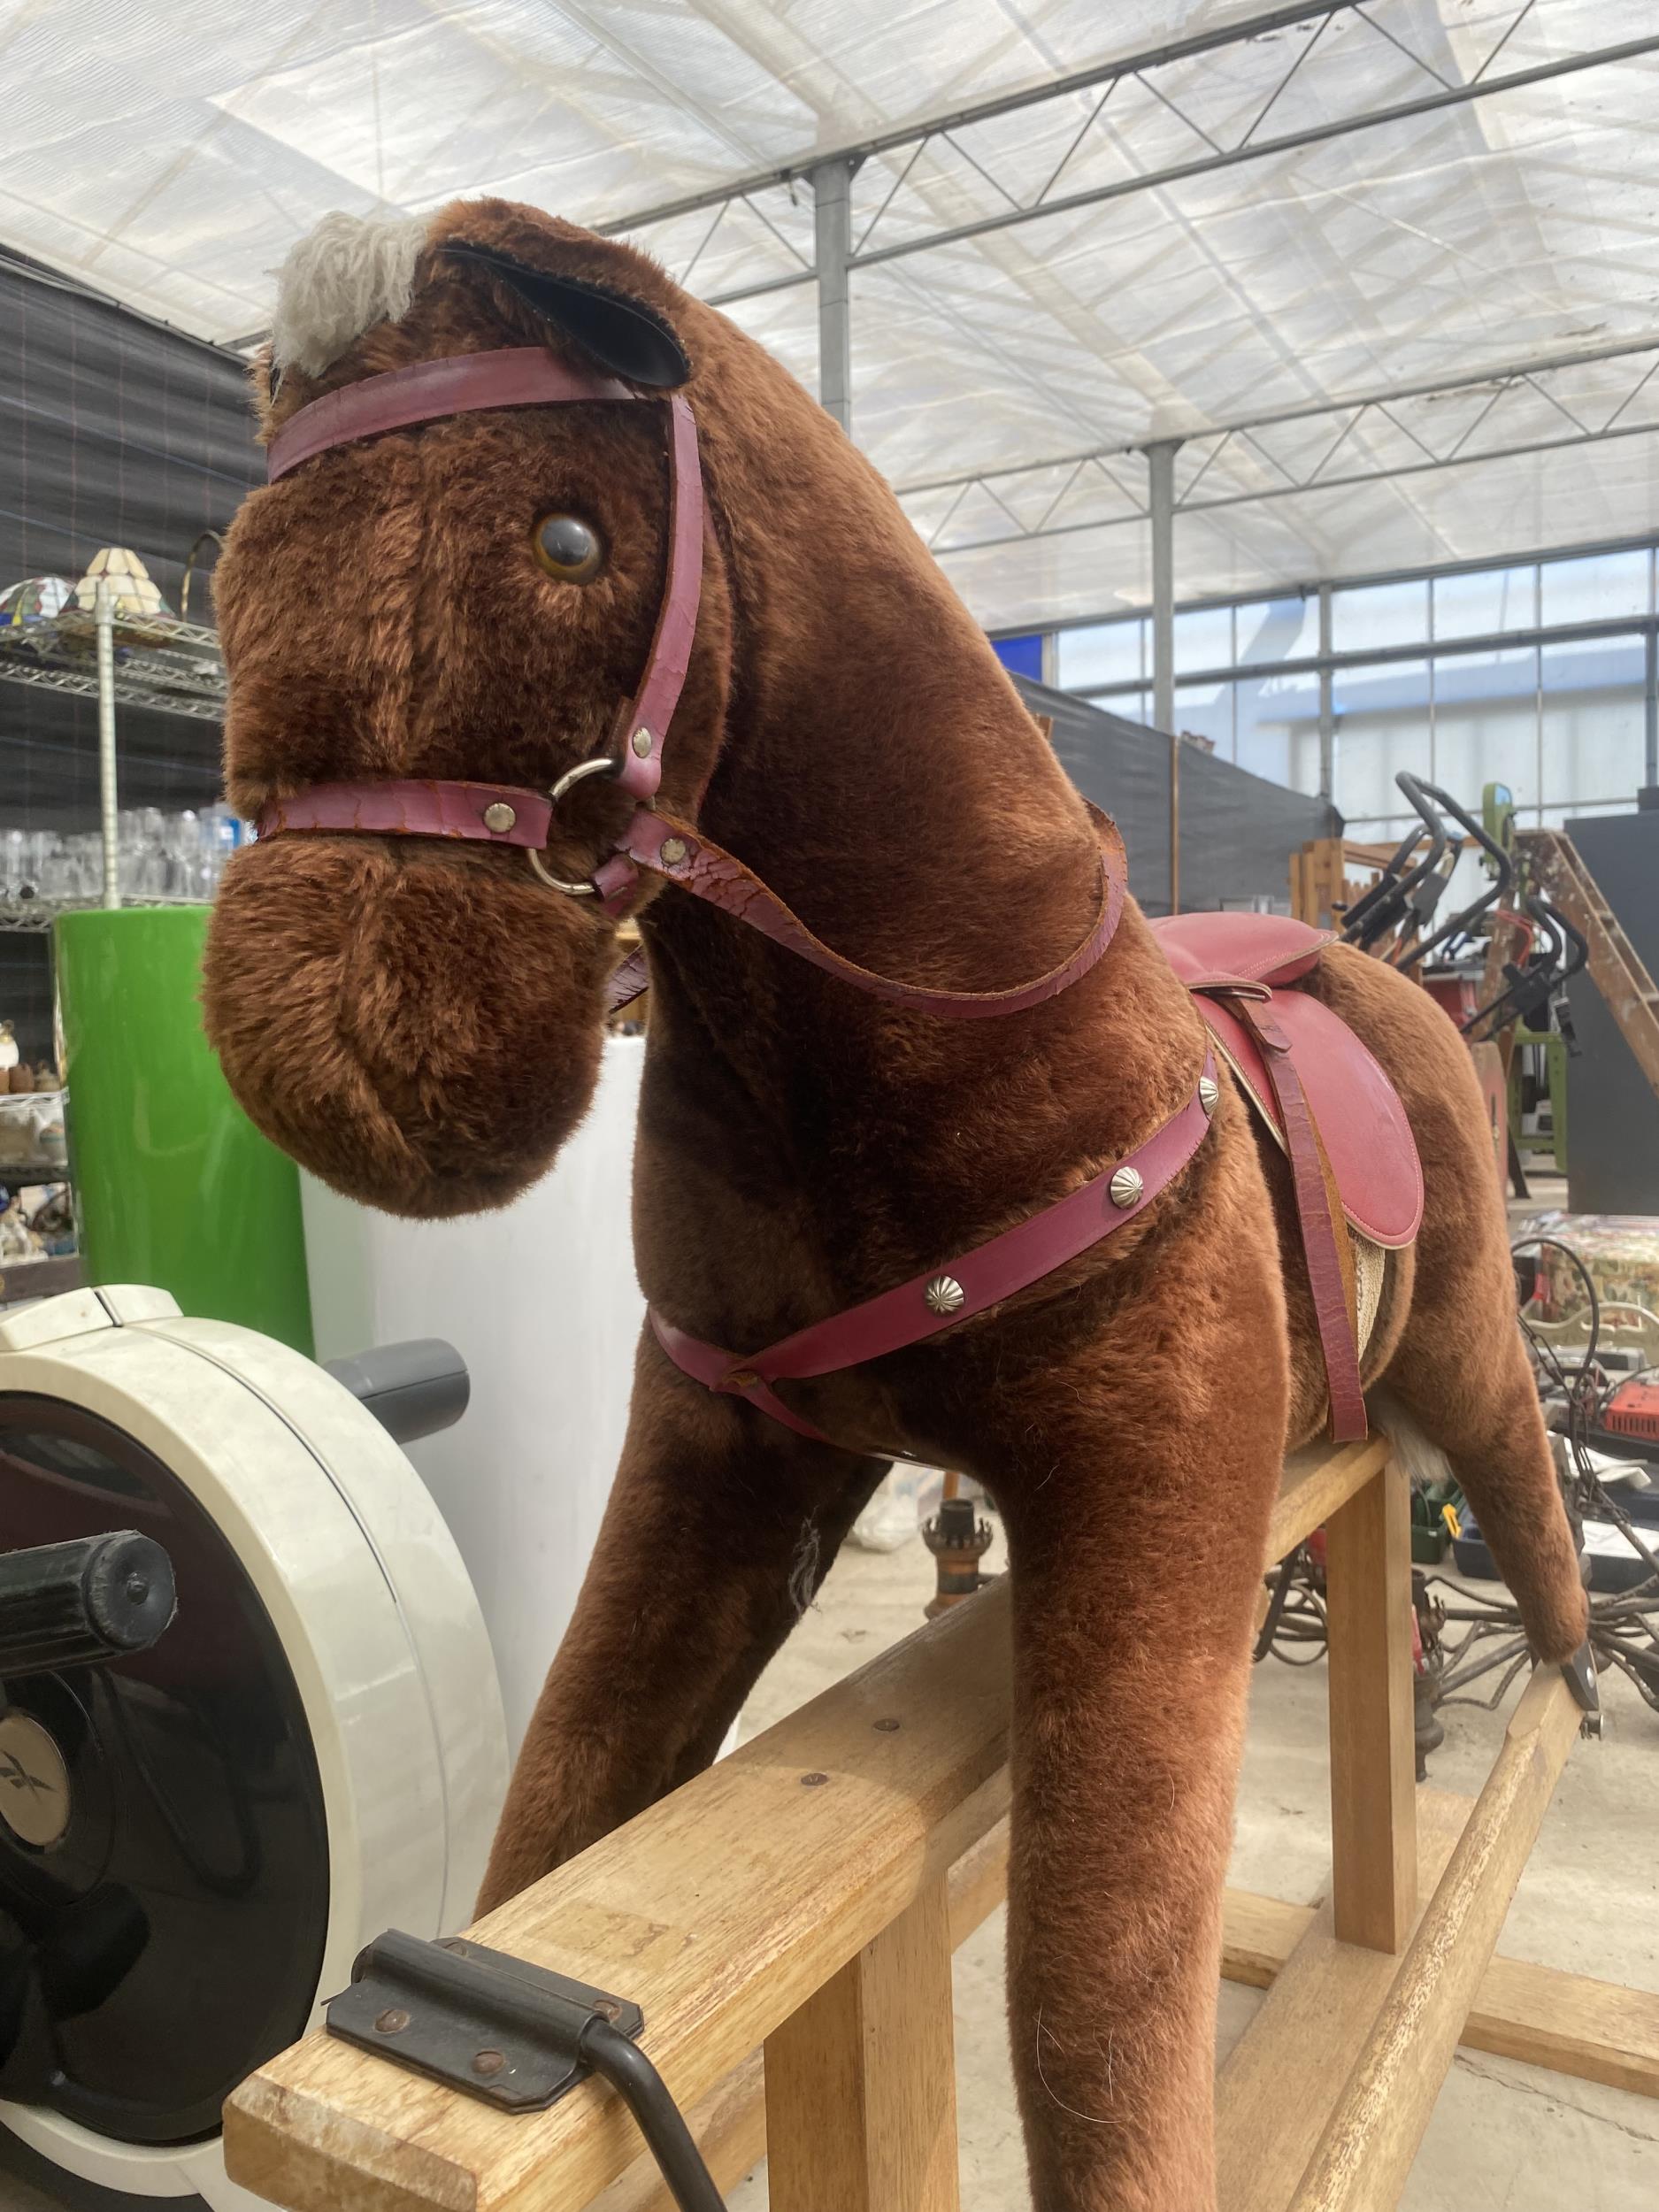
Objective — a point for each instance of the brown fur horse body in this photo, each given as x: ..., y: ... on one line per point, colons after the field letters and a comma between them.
x: 421, y: 1026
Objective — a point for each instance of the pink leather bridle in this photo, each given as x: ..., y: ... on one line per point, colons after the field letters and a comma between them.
x: 506, y: 814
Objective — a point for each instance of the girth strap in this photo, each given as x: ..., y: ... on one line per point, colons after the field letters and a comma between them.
x: 1324, y: 1233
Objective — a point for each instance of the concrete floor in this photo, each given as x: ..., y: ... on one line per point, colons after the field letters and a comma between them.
x: 1504, y: 2137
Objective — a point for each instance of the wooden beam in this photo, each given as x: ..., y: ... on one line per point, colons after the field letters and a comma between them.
x: 1316, y: 1482
x: 1286, y: 2071
x: 741, y: 1866
x: 1373, y: 1755
x: 719, y: 1910
x: 861, y: 2079
x: 1372, y: 2137
x: 725, y: 1907
x: 730, y: 2123
x: 1568, y: 2022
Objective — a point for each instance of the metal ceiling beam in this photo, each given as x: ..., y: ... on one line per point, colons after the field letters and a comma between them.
x: 1389, y: 474
x: 1222, y: 159
x: 1270, y: 19
x: 1264, y: 148
x: 832, y: 184
x: 1347, y: 414
x: 1507, y: 372
x: 1389, y: 396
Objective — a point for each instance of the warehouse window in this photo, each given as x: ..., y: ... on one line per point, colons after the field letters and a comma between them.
x: 1533, y: 674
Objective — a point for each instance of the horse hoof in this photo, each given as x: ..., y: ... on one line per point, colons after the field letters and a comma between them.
x: 1580, y: 1673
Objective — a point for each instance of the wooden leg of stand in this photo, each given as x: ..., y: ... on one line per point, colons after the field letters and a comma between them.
x: 1373, y: 2134
x: 861, y: 2084
x: 1373, y: 1764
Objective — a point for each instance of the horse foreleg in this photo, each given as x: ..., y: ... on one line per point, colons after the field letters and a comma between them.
x: 1135, y: 1567
x: 719, y: 1528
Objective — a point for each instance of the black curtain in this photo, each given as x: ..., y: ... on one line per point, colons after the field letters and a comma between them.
x: 114, y: 430
x: 1237, y: 831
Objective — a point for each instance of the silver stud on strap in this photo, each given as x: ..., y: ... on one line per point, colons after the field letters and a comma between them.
x: 499, y: 816
x: 1126, y: 1187
x: 641, y: 742
x: 1209, y: 1093
x: 944, y: 1294
x: 673, y: 851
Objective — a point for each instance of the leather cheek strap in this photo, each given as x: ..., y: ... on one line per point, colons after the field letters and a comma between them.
x: 528, y: 376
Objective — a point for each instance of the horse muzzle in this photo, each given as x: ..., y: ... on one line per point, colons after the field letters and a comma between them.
x: 420, y: 1027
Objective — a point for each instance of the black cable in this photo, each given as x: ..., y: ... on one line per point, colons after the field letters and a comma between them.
x: 660, y: 2121
x: 1276, y: 1606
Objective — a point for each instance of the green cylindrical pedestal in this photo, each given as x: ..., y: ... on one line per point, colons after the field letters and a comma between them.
x: 173, y: 1184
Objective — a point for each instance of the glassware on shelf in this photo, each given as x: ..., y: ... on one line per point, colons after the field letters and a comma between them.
x: 166, y: 859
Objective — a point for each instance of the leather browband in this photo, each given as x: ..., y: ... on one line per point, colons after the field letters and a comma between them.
x: 425, y: 391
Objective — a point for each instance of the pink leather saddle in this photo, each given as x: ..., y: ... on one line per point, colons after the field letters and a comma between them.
x: 1367, y: 1138
x: 1332, y: 1109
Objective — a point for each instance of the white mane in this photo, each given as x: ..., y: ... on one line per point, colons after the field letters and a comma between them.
x: 351, y: 273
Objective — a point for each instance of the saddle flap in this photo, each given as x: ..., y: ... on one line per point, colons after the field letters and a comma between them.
x: 1206, y: 949
x: 1367, y: 1138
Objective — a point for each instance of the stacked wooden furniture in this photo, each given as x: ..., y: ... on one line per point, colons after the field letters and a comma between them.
x: 1330, y: 874
x: 787, y: 1922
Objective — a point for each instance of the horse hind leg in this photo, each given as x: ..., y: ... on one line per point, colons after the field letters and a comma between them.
x: 1462, y: 1375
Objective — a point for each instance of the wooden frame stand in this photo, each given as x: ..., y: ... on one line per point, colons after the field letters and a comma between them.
x: 787, y: 1922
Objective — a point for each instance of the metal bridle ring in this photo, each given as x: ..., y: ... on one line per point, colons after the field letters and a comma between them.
x: 602, y: 766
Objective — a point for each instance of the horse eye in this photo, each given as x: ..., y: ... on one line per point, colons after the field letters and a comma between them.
x: 568, y: 548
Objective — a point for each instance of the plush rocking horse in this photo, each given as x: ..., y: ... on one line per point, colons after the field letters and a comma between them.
x: 566, y: 603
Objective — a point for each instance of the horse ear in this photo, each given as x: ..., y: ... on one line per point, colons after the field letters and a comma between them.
x: 618, y: 331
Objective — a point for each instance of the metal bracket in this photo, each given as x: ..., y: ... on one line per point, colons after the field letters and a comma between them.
x: 475, y: 2019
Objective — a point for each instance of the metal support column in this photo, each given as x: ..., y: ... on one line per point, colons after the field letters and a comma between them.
x: 1161, y: 507
x: 833, y: 224
x: 109, y: 818
x: 1650, y: 722
x: 1327, y: 699
x: 1160, y: 512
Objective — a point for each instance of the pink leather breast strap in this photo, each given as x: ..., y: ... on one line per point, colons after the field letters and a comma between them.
x: 986, y: 1276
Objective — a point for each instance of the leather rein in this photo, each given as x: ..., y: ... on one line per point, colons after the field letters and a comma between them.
x: 657, y: 843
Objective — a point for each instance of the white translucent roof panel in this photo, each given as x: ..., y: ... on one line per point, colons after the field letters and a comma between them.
x: 171, y: 156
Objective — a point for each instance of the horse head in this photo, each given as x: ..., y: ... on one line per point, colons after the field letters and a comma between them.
x: 472, y: 596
